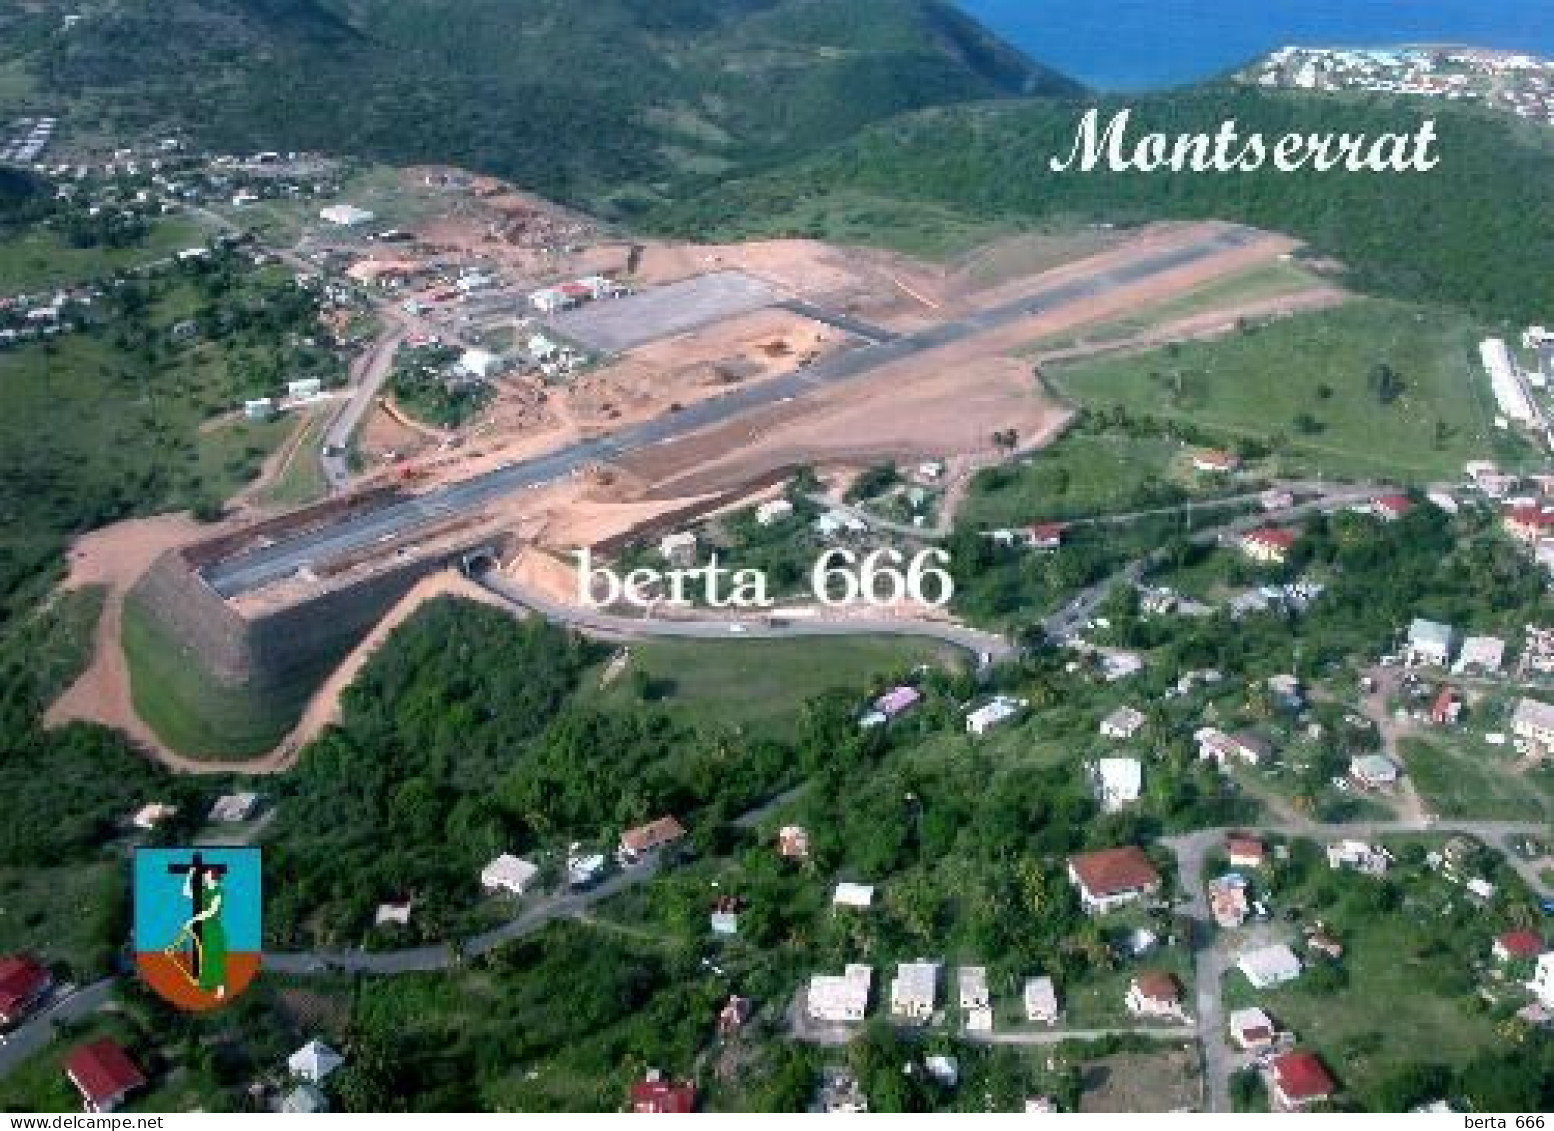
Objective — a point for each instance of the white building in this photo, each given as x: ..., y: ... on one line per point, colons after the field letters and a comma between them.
x: 1533, y: 724
x: 914, y: 991
x: 852, y: 895
x: 1542, y: 982
x: 1041, y: 1001
x: 840, y: 999
x: 1123, y: 723
x: 1270, y: 966
x: 234, y: 808
x: 314, y: 1061
x: 1000, y: 710
x: 1505, y: 381
x: 1118, y: 782
x: 346, y: 215
x: 1481, y: 654
x: 679, y: 549
x: 479, y: 364
x: 508, y: 873
x: 975, y: 1001
x: 774, y: 510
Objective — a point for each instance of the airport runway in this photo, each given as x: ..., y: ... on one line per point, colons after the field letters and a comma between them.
x: 263, y: 566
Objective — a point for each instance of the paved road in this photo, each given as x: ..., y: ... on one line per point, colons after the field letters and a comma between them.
x: 32, y: 1037
x: 987, y: 646
x: 263, y: 566
x: 844, y: 322
x: 372, y: 370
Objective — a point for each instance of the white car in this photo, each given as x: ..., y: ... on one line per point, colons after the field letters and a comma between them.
x: 737, y: 628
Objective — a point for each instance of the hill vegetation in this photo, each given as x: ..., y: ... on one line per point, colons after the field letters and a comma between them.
x: 1477, y: 231
x: 510, y: 86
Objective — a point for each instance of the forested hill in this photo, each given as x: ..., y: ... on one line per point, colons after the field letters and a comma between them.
x: 567, y: 97
x: 1477, y: 231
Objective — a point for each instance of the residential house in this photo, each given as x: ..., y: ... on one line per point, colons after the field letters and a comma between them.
x: 508, y: 873
x: 724, y: 918
x: 945, y: 1070
x: 314, y: 1062
x: 583, y: 867
x: 1542, y: 983
x: 773, y: 511
x: 1156, y: 994
x: 1113, y: 877
x: 793, y: 842
x: 1276, y: 499
x: 975, y: 1002
x: 1001, y: 709
x: 305, y: 1099
x: 1390, y: 508
x: 481, y: 365
x: 24, y: 983
x: 852, y: 895
x: 840, y: 1094
x: 1287, y: 693
x: 1228, y: 902
x: 914, y: 990
x: 1529, y: 524
x: 1222, y: 748
x: 1481, y: 655
x: 644, y: 840
x: 897, y: 700
x: 1117, y: 664
x: 1041, y: 1001
x: 1123, y: 723
x: 150, y: 816
x: 346, y: 215
x: 396, y: 913
x: 1518, y: 946
x: 1429, y: 642
x: 1245, y: 851
x: 657, y: 1095
x: 103, y: 1074
x: 1214, y: 462
x: 1373, y: 772
x: 1447, y: 707
x: 1297, y: 1080
x: 1270, y: 966
x: 733, y: 1015
x: 1118, y: 782
x: 840, y: 999
x: 1045, y: 536
x: 1357, y: 856
x: 1268, y: 546
x: 1533, y: 724
x: 234, y: 808
x: 679, y: 549
x: 1252, y: 1030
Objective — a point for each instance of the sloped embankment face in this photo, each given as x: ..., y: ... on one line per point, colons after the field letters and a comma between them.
x: 212, y: 683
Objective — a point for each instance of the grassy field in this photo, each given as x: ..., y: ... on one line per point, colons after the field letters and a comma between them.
x: 759, y: 683
x: 1259, y: 382
x: 63, y: 913
x: 1264, y: 281
x: 377, y: 188
x: 1080, y: 474
x: 193, y: 713
x: 301, y: 480
x: 1458, y: 784
x: 38, y: 258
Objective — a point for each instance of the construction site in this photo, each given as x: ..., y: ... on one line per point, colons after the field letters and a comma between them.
x: 704, y: 376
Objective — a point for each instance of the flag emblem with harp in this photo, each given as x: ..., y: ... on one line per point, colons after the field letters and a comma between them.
x: 197, y: 923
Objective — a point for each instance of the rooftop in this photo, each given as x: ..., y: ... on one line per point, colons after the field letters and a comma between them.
x: 1114, y: 870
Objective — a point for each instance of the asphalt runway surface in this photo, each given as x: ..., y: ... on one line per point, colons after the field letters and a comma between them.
x: 617, y: 324
x: 265, y: 565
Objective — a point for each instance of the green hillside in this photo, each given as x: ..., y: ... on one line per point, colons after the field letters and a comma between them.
x: 567, y: 98
x: 1476, y: 231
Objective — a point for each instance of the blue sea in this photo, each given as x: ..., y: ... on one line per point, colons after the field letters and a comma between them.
x: 1128, y: 45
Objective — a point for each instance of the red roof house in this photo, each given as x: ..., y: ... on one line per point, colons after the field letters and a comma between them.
x: 1392, y: 507
x: 1297, y: 1079
x: 1446, y: 708
x: 1112, y: 877
x: 657, y: 1096
x: 1245, y: 851
x: 1269, y: 544
x: 103, y: 1073
x: 1514, y: 945
x: 637, y: 842
x: 1529, y: 523
x: 1046, y: 536
x: 23, y: 982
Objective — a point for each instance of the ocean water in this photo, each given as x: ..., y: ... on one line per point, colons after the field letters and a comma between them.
x: 1127, y: 45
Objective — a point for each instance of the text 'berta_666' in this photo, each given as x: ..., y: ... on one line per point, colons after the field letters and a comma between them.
x: 198, y: 923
